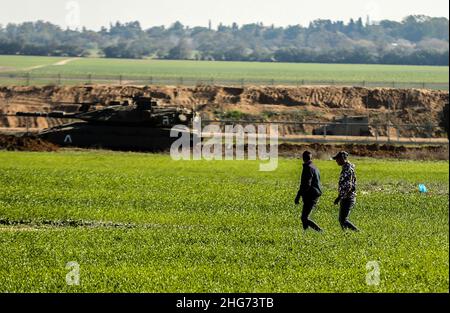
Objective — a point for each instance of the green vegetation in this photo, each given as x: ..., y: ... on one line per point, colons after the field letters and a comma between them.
x: 145, y: 223
x: 418, y: 40
x: 14, y: 62
x: 251, y: 72
x: 235, y: 115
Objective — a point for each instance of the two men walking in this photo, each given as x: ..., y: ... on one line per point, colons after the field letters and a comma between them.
x: 311, y: 190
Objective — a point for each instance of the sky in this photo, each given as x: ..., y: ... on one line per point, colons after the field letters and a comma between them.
x: 96, y: 13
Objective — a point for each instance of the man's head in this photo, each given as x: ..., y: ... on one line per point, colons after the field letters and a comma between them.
x: 307, y: 156
x: 341, y: 158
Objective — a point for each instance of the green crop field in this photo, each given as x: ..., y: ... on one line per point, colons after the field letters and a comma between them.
x: 223, y: 71
x: 10, y: 63
x: 145, y: 223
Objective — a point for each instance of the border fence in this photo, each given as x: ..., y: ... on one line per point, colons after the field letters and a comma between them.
x: 381, y: 133
x: 296, y: 132
x: 28, y: 79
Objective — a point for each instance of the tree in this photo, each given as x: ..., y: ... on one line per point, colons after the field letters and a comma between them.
x: 176, y: 29
x: 417, y: 40
x: 182, y: 51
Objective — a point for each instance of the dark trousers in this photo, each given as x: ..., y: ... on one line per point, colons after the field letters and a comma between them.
x: 308, y: 205
x: 344, y: 213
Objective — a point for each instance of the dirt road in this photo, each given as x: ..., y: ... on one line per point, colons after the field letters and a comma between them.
x: 35, y: 67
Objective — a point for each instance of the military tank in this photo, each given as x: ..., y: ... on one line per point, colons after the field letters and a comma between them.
x: 136, y: 124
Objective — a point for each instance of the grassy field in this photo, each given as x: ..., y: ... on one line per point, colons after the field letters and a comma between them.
x: 145, y: 223
x: 13, y: 63
x: 251, y: 72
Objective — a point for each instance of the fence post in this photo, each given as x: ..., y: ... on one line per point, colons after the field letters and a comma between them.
x: 242, y: 83
x: 423, y: 85
x: 181, y: 81
x: 120, y: 79
x: 27, y: 79
x: 59, y: 79
x: 388, y: 128
x: 325, y: 131
x: 89, y: 79
x: 272, y: 82
x: 150, y: 80
x: 212, y: 81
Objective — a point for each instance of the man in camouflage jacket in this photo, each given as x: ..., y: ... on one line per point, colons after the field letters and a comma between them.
x: 347, y: 190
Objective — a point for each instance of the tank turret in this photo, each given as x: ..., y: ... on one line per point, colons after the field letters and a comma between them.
x: 143, y: 111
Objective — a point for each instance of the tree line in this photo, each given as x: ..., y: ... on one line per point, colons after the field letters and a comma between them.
x: 418, y: 39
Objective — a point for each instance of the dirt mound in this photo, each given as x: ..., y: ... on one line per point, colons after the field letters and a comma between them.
x: 321, y: 97
x: 374, y: 151
x: 290, y: 104
x: 25, y: 143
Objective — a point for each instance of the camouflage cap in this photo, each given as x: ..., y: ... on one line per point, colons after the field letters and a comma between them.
x: 341, y: 155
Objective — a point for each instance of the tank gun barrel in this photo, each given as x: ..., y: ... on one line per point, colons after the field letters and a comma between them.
x: 164, y: 110
x: 48, y: 115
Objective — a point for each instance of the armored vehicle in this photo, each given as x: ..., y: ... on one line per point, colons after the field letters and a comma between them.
x: 346, y: 126
x: 136, y: 124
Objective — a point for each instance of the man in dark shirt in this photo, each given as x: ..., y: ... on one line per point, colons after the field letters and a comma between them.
x: 347, y: 190
x: 310, y: 191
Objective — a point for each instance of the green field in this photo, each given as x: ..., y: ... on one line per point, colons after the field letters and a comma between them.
x: 10, y: 63
x: 227, y: 71
x: 145, y: 223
